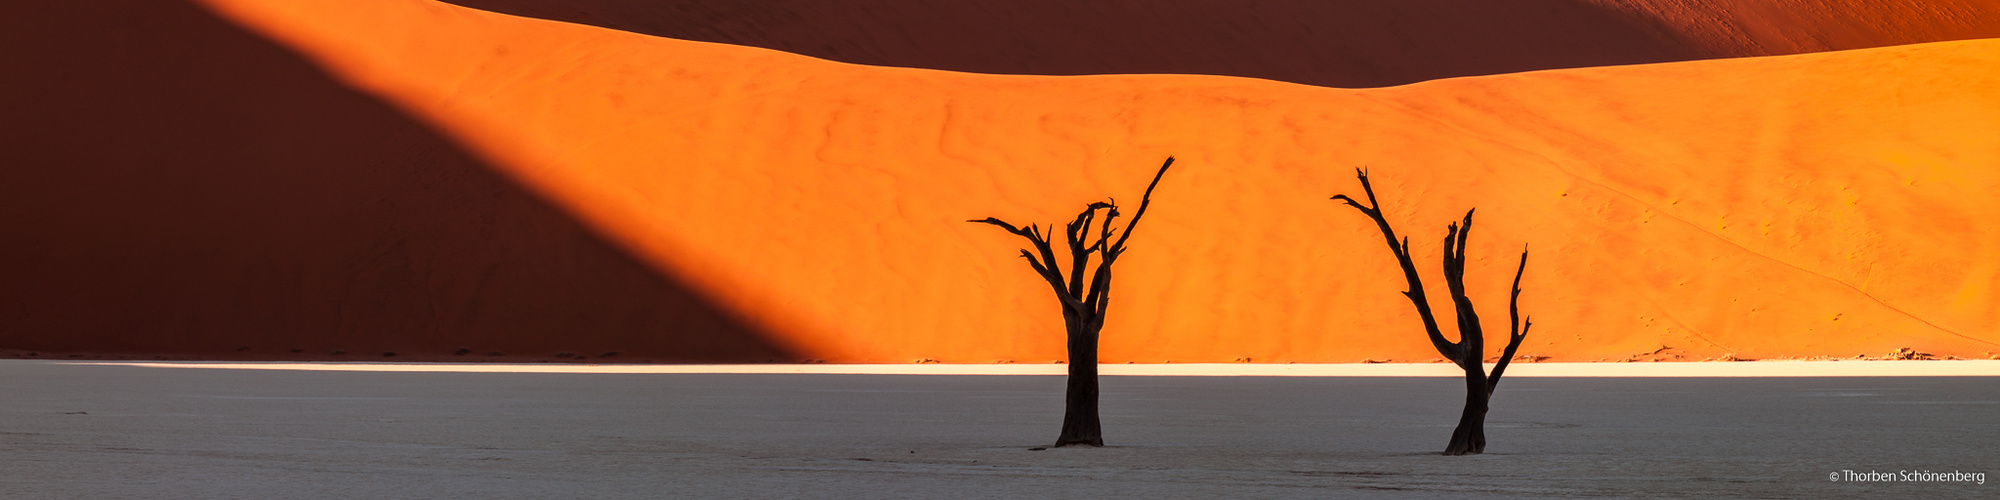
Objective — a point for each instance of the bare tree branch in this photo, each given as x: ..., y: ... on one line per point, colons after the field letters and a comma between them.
x: 1145, y: 200
x: 1037, y: 264
x: 1076, y: 232
x: 1104, y: 230
x: 1100, y: 284
x: 1107, y: 255
x: 1003, y: 225
x: 1049, y: 258
x: 1471, y: 335
x: 1350, y: 202
x: 1518, y: 329
x: 1449, y: 349
x: 1100, y: 292
x: 1048, y: 271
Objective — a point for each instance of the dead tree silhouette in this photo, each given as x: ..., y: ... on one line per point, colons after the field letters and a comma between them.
x: 1470, y: 436
x: 1082, y: 308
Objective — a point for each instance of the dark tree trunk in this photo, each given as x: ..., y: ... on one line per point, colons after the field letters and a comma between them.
x: 1080, y: 423
x: 1470, y: 436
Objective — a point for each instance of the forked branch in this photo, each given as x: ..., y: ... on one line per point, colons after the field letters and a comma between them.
x: 1077, y: 237
x: 1518, y: 326
x: 1469, y: 437
x: 1450, y: 350
x: 1046, y: 265
x: 1467, y: 350
x: 1100, y: 283
x: 1083, y: 310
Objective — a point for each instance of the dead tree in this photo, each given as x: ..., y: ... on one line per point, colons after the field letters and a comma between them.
x: 1082, y: 308
x: 1470, y: 436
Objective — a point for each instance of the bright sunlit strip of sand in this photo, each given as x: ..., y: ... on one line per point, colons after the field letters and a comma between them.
x: 1985, y: 368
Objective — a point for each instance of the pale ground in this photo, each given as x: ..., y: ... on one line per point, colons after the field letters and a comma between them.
x: 103, y: 430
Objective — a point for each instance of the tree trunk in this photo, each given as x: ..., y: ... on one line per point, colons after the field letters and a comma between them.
x: 1080, y: 423
x: 1470, y: 436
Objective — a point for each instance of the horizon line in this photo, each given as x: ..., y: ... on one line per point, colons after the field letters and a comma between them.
x: 1784, y: 368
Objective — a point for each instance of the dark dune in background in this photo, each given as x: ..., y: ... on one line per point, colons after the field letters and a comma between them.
x: 175, y: 186
x: 1365, y: 43
x: 1350, y: 43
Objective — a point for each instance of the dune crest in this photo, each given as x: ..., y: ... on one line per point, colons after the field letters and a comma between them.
x: 1346, y: 43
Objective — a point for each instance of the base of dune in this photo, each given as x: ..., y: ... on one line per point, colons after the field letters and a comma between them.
x: 1773, y: 368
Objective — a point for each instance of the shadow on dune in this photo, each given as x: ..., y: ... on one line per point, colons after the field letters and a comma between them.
x: 1349, y: 43
x: 176, y: 186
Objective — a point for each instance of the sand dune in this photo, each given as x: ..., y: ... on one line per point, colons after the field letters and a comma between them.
x: 1814, y: 205
x: 176, y: 186
x: 1735, y: 28
x: 1347, y: 43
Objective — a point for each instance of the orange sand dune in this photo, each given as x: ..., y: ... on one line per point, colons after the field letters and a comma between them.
x: 1826, y: 204
x: 1344, y: 43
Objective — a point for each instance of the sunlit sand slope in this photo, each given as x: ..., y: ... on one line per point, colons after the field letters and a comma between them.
x: 1829, y: 204
x: 1344, y: 43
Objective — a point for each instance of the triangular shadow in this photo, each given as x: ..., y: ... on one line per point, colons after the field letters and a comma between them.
x: 178, y: 187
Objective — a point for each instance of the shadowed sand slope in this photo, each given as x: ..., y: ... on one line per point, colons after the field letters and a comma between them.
x: 1824, y: 204
x: 176, y: 186
x: 1348, y: 43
